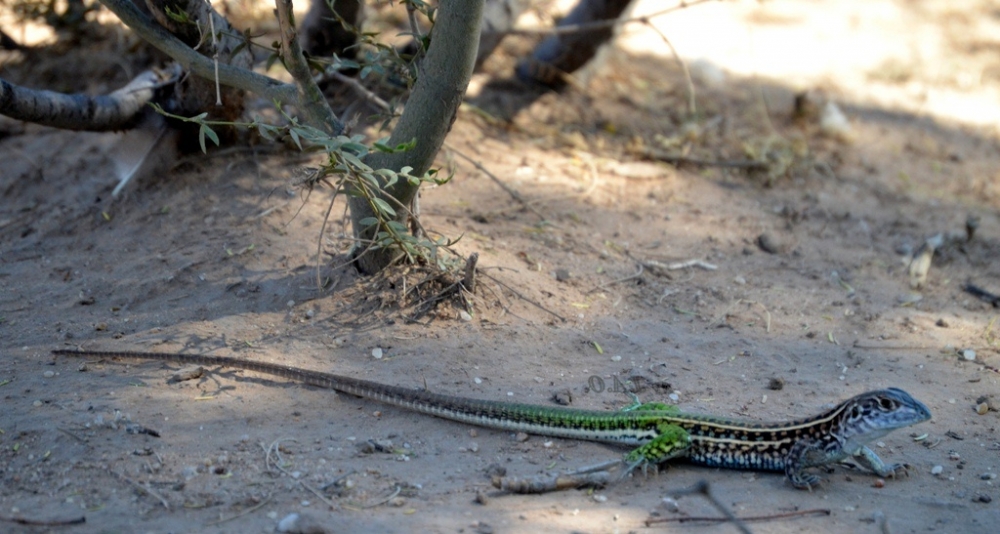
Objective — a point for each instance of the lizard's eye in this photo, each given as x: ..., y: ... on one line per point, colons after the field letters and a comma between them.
x: 887, y: 404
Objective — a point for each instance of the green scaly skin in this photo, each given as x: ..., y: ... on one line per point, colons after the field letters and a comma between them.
x: 659, y: 431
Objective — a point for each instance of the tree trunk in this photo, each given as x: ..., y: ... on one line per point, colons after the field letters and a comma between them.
x: 565, y: 53
x: 323, y: 35
x: 429, y: 114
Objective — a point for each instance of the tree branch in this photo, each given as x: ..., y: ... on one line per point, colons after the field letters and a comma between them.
x: 115, y: 111
x: 159, y: 37
x: 312, y: 102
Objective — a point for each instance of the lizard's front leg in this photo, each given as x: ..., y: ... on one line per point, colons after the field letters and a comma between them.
x: 867, y: 459
x: 671, y: 441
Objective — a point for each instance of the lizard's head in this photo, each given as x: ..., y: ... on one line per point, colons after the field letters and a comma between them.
x: 876, y: 413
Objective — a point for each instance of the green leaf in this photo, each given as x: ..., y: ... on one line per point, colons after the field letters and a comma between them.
x: 295, y: 138
x: 368, y: 221
x: 384, y: 207
x: 397, y: 227
x: 205, y: 130
x: 267, y: 132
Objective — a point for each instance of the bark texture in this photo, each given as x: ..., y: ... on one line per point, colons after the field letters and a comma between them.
x: 429, y: 114
x: 561, y: 54
x: 116, y: 111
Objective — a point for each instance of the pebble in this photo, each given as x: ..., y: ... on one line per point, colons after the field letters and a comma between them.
x: 377, y: 353
x: 465, y: 316
x: 982, y: 408
x: 768, y: 243
x: 833, y: 123
x: 670, y: 505
x: 937, y: 470
x: 49, y: 374
x: 969, y: 355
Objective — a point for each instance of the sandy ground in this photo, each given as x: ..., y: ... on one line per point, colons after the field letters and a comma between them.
x: 212, y: 258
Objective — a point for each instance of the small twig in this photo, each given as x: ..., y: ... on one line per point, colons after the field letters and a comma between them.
x: 596, y: 25
x: 887, y: 347
x: 469, y: 282
x: 618, y: 281
x: 45, y: 522
x: 659, y: 155
x: 692, y: 519
x: 396, y: 491
x: 318, y: 494
x: 526, y: 299
x: 692, y: 100
x: 141, y: 487
x: 983, y: 294
x: 510, y: 191
x: 676, y: 266
x: 72, y: 435
x: 215, y: 52
x: 357, y: 87
x: 549, y: 483
x: 248, y: 511
x: 703, y: 488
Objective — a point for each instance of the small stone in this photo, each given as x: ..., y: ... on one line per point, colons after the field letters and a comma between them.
x: 302, y: 524
x: 49, y: 374
x: 521, y: 436
x: 937, y: 470
x: 971, y: 224
x: 37, y: 403
x: 943, y: 323
x: 670, y: 505
x: 562, y: 275
x: 377, y: 353
x: 464, y: 315
x: 983, y: 498
x: 776, y: 384
x: 768, y: 243
x: 481, y: 498
x: 982, y: 408
x: 190, y: 372
x: 969, y: 355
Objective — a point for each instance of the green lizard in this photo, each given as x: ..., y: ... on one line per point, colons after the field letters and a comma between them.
x: 661, y: 432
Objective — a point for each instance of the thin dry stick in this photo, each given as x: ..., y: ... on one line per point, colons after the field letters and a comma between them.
x: 44, y: 522
x: 618, y: 281
x: 526, y: 299
x: 510, y: 191
x: 141, y: 487
x: 248, y: 511
x: 692, y: 105
x: 358, y: 88
x: 319, y: 240
x: 596, y: 25
x: 703, y: 488
x: 215, y: 53
x: 769, y: 517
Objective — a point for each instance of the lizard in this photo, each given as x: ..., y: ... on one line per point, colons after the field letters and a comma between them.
x: 659, y: 431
